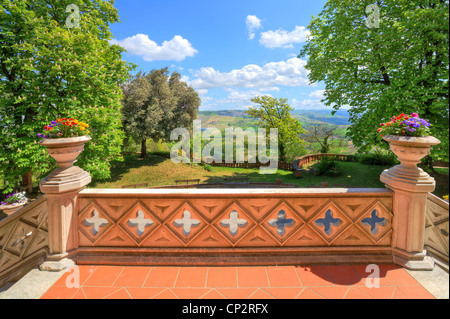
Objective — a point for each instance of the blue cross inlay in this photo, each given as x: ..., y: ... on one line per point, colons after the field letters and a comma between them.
x: 328, y: 221
x: 374, y: 221
x: 281, y: 222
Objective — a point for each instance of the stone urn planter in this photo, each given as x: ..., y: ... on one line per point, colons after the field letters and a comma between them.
x: 411, y: 186
x: 409, y: 150
x: 67, y: 176
x: 10, y: 209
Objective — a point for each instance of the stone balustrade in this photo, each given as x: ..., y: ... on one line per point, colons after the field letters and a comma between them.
x: 238, y: 226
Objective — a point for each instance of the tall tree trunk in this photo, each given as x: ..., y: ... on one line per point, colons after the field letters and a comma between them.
x: 144, y: 148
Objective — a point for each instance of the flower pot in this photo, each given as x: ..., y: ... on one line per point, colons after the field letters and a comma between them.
x: 67, y: 176
x: 410, y: 150
x: 11, y: 209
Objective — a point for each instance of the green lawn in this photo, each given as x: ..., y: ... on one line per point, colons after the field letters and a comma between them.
x: 158, y: 171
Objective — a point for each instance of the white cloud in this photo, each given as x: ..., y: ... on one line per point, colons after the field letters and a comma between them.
x: 253, y: 24
x: 202, y: 92
x: 308, y: 104
x: 319, y: 94
x: 287, y: 73
x: 313, y: 104
x: 237, y: 99
x: 283, y: 39
x: 176, y: 49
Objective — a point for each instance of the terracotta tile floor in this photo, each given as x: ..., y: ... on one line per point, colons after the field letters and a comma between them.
x: 277, y: 282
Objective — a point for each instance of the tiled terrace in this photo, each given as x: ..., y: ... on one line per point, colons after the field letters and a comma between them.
x: 275, y: 282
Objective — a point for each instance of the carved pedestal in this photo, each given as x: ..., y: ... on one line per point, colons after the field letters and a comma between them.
x: 411, y: 186
x: 62, y: 187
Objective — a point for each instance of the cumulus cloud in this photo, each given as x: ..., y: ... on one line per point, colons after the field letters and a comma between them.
x: 176, y: 49
x: 253, y: 23
x: 319, y: 94
x: 308, y: 104
x: 287, y: 73
x: 283, y: 39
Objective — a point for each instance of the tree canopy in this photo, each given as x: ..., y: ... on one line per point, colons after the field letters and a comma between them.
x: 397, y: 63
x: 155, y: 103
x: 57, y: 62
x: 275, y: 113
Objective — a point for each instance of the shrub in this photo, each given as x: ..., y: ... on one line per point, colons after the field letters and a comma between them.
x: 165, y: 154
x: 378, y: 159
x: 354, y: 158
x: 327, y: 166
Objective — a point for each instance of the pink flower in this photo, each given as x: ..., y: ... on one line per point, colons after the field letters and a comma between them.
x: 415, y: 115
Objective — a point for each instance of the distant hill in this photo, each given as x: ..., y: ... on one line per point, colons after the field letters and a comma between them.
x: 304, y: 116
x: 341, y: 117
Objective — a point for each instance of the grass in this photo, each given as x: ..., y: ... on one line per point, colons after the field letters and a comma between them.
x: 158, y: 171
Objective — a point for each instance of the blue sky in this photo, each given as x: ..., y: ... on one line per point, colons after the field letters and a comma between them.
x: 229, y: 51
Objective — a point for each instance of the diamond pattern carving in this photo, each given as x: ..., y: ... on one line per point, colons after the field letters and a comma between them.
x: 329, y: 221
x: 210, y: 237
x: 258, y: 207
x: 20, y: 239
x: 282, y: 221
x: 305, y: 236
x: 258, y: 237
x: 234, y: 222
x: 93, y: 221
x: 139, y: 221
x: 23, y: 235
x: 162, y: 236
x: 244, y: 222
x: 375, y: 221
x: 184, y: 217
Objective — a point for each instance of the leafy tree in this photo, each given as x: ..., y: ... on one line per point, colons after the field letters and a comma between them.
x: 275, y: 113
x: 155, y: 103
x: 55, y: 64
x: 322, y: 134
x: 399, y: 64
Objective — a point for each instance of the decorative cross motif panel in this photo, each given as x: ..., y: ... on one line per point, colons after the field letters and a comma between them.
x: 234, y: 222
x: 140, y: 222
x: 186, y: 222
x: 328, y: 222
x: 374, y: 221
x: 96, y: 222
x: 281, y: 222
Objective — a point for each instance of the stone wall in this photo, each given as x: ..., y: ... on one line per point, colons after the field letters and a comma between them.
x: 436, y: 227
x: 23, y: 240
x: 235, y: 226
